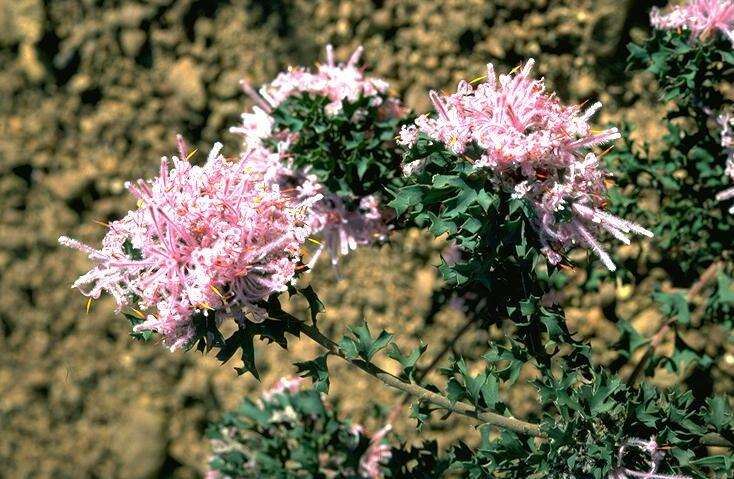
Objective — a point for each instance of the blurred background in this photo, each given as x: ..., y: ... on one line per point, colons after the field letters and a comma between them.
x: 92, y: 93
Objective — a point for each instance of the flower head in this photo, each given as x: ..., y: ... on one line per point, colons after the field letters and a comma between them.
x: 701, y: 17
x: 535, y: 148
x: 202, y: 238
x: 336, y: 81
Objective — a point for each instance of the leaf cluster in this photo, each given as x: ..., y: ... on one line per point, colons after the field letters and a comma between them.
x: 686, y: 172
x: 352, y: 152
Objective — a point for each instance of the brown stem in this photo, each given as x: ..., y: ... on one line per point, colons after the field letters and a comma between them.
x: 448, y: 346
x: 658, y: 337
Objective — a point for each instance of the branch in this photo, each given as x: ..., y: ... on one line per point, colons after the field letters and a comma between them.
x: 658, y: 337
x: 421, y: 393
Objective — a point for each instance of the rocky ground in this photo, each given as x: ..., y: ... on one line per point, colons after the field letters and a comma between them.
x: 93, y: 93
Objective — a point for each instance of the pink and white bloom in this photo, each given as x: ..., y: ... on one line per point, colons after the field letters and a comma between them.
x: 209, y: 238
x: 337, y: 81
x: 701, y: 17
x: 377, y: 454
x: 536, y: 148
x: 286, y: 384
x: 341, y: 230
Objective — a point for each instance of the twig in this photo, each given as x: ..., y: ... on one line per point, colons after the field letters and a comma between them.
x: 423, y: 372
x: 658, y: 337
x: 421, y: 393
x: 448, y: 346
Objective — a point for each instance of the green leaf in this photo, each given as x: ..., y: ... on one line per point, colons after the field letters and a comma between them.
x: 407, y: 362
x: 314, y: 303
x: 316, y: 369
x: 363, y: 344
x: 720, y: 413
x: 405, y: 198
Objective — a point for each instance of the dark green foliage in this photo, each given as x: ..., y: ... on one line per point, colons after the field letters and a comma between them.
x: 407, y: 363
x: 352, y: 152
x: 587, y: 421
x: 318, y: 370
x: 291, y: 435
x: 716, y: 317
x: 297, y: 435
x: 362, y: 345
x: 688, y: 71
x: 691, y: 227
x: 501, y: 273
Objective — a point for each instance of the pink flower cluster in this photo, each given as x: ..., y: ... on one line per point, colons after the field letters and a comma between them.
x: 338, y: 82
x: 339, y: 229
x: 701, y: 17
x: 285, y: 384
x: 536, y: 148
x: 377, y: 454
x: 726, y: 122
x: 210, y: 238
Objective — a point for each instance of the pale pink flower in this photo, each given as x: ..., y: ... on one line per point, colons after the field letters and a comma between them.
x: 340, y: 230
x: 408, y: 135
x: 701, y: 17
x: 337, y: 81
x: 210, y: 238
x: 256, y: 126
x: 535, y: 148
x: 376, y: 455
x: 286, y: 384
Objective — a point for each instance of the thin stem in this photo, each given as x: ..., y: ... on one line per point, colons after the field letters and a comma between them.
x: 658, y: 337
x: 423, y: 372
x: 448, y: 346
x: 421, y: 393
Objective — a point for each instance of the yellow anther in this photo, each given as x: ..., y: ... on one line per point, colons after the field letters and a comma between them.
x: 190, y: 155
x: 89, y: 304
x: 214, y: 288
x: 138, y: 313
x: 315, y: 241
x: 478, y: 79
x: 101, y: 223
